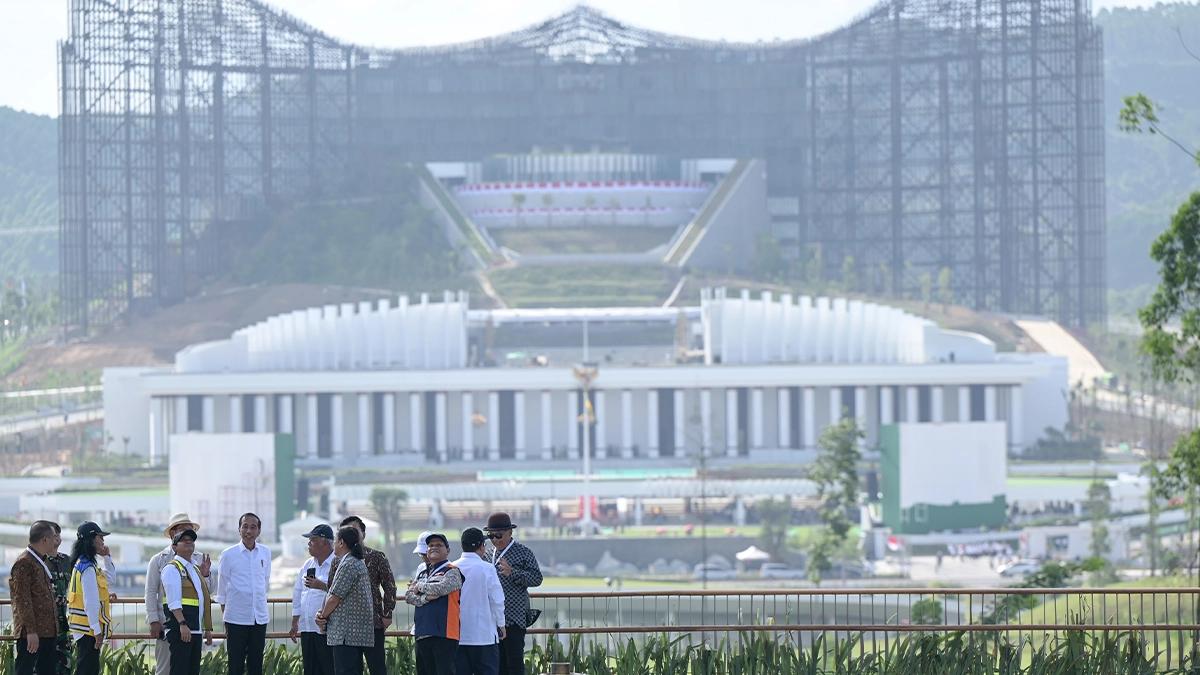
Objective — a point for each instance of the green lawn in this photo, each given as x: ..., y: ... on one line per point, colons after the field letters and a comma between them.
x: 585, y: 286
x: 575, y: 240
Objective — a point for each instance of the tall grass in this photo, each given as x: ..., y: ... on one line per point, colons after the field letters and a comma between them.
x: 961, y: 653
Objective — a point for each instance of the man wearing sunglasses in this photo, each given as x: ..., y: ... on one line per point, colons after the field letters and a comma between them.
x: 519, y: 571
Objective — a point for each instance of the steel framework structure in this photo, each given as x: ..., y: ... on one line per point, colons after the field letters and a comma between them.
x: 959, y: 140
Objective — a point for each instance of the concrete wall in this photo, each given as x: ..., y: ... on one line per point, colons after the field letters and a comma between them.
x: 728, y: 243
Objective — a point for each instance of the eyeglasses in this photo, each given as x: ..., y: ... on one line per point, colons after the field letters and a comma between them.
x: 495, y: 535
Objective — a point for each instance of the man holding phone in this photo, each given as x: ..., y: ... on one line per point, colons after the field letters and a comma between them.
x: 154, y: 591
x: 308, y: 596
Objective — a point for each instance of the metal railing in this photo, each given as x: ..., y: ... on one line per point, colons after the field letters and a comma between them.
x: 1166, y: 619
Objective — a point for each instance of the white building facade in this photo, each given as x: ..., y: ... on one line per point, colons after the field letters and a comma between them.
x: 396, y: 383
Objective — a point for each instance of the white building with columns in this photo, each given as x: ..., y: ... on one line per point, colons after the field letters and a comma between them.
x: 748, y: 378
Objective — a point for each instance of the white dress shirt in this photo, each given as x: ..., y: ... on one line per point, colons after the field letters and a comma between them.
x: 172, y: 584
x: 480, y: 602
x: 242, y: 581
x: 306, y: 602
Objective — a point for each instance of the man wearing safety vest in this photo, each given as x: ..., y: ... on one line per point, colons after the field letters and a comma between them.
x: 187, y: 606
x: 89, y: 611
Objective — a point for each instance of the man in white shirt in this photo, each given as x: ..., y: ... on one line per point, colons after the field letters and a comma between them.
x: 154, y: 600
x: 308, y: 596
x: 481, y: 609
x: 244, y: 574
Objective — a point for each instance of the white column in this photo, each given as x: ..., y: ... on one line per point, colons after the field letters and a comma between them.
x: 364, y: 425
x: 835, y: 405
x: 206, y: 415
x: 336, y: 425
x: 286, y: 423
x: 756, y: 418
x: 157, y: 426
x: 808, y: 402
x: 964, y: 403
x: 887, y: 405
x: 311, y: 424
x: 573, y: 423
x: 1016, y: 418
x: 235, y: 415
x: 547, y: 437
x: 260, y: 414
x: 389, y: 423
x: 181, y: 415
x: 784, y: 417
x: 680, y: 424
x: 468, y: 426
x: 651, y: 423
x: 912, y: 403
x: 989, y: 403
x: 414, y: 417
x: 860, y: 410
x: 626, y: 423
x: 493, y: 425
x: 706, y: 419
x: 937, y: 404
x: 598, y: 402
x: 519, y: 423
x: 439, y: 420
x: 731, y: 422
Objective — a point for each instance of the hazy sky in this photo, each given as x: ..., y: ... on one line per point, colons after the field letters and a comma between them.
x: 30, y: 28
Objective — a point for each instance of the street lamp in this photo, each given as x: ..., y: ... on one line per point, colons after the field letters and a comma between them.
x: 586, y: 373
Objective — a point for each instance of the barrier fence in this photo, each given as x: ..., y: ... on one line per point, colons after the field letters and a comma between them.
x: 1166, y: 619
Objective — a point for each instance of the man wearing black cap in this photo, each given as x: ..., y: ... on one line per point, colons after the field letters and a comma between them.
x: 437, y: 621
x: 519, y: 571
x: 308, y: 596
x: 187, y: 606
x: 483, y: 609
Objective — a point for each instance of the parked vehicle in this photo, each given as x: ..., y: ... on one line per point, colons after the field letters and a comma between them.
x: 1019, y: 568
x: 704, y: 572
x: 774, y: 570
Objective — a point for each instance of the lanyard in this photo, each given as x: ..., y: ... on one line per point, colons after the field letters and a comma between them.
x: 497, y: 555
x: 40, y: 562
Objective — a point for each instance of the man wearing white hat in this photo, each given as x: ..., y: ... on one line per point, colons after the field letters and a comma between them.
x: 154, y: 599
x: 421, y: 550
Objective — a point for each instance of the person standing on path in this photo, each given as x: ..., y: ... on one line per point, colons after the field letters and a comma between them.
x: 482, y: 609
x: 89, y: 606
x: 308, y: 596
x: 35, y: 611
x: 346, y: 617
x: 437, y: 619
x: 154, y: 598
x: 187, y: 606
x: 383, y: 595
x: 519, y: 571
x: 244, y: 575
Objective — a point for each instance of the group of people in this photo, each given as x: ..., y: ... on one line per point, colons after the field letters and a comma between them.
x: 470, y: 615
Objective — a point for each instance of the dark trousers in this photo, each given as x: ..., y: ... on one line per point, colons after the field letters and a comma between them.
x: 512, y: 651
x: 44, y: 661
x: 348, y: 660
x: 377, y: 654
x: 246, y: 644
x: 87, y: 657
x: 185, y: 656
x: 318, y: 659
x: 435, y: 656
x: 477, y: 660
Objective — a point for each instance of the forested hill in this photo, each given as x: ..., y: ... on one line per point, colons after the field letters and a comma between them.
x: 1147, y: 176
x: 28, y: 196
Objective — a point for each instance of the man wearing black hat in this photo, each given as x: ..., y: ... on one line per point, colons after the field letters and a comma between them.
x: 308, y: 596
x: 519, y: 571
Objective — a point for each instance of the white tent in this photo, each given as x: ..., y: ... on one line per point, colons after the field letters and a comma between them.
x: 752, y: 554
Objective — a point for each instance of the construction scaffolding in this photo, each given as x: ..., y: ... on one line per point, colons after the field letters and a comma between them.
x: 948, y: 144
